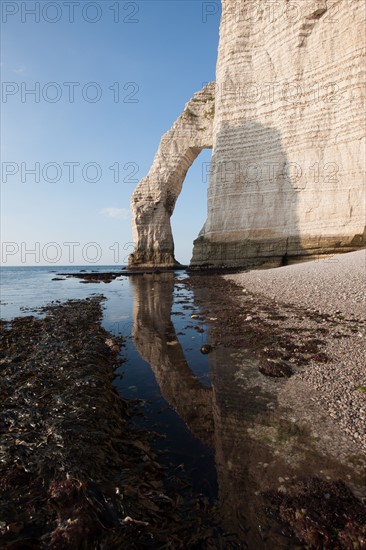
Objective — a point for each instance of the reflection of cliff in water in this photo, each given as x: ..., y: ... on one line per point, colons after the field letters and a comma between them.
x: 259, y: 445
x: 156, y: 341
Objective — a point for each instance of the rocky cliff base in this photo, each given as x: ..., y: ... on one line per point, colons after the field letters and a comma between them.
x: 213, y: 253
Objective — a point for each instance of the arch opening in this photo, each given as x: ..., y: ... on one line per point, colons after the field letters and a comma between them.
x: 191, y: 209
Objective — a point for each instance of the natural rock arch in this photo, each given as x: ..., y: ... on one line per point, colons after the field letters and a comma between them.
x: 154, y: 199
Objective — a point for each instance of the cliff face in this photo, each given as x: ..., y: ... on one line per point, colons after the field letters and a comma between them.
x: 288, y: 150
x: 287, y: 172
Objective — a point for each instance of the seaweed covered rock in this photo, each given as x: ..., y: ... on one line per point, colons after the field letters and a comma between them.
x: 74, y: 472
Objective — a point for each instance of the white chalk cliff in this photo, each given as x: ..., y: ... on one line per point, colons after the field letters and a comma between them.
x: 286, y: 124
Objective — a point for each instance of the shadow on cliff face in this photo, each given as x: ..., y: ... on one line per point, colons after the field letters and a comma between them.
x: 252, y: 200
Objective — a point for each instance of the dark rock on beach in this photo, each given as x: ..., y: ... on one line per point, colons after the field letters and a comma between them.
x: 276, y: 369
x: 205, y: 349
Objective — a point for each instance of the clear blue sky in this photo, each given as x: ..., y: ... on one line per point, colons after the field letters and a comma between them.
x: 161, y: 52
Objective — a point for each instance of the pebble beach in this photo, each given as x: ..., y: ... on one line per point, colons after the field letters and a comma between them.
x: 335, y: 289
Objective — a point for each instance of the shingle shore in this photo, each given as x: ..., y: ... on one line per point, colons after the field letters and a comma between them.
x: 336, y: 289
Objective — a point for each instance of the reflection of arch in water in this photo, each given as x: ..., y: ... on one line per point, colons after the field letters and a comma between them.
x: 216, y: 416
x: 156, y: 341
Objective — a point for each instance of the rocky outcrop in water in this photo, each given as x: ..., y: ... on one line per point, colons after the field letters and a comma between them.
x: 287, y: 172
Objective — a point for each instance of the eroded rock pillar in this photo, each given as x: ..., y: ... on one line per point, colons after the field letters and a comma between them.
x: 154, y: 199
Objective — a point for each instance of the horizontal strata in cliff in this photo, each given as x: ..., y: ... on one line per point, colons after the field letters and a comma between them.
x: 287, y: 130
